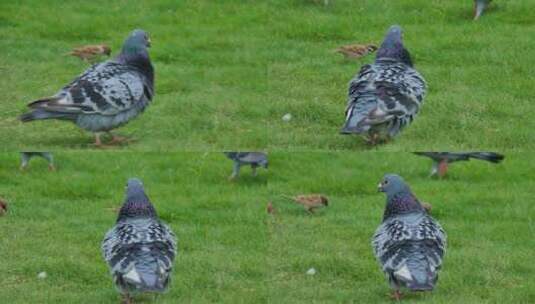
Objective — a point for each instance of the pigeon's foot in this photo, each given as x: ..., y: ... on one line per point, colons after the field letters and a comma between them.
x: 396, y: 295
x: 374, y: 140
x: 51, y: 167
x: 126, y: 299
x: 98, y: 142
x: 370, y: 142
x: 23, y: 167
x: 116, y: 139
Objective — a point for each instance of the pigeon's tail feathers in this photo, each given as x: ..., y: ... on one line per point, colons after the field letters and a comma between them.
x: 488, y: 156
x: 150, y: 278
x: 151, y: 282
x: 143, y: 278
x: 43, y: 102
x: 355, y: 122
x: 48, y: 108
x: 423, y: 279
x: 360, y: 120
x: 416, y: 286
x: 39, y: 114
x: 416, y: 276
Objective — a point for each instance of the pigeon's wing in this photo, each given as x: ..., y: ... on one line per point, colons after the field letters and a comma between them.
x: 140, y: 253
x: 400, y: 89
x: 432, y: 155
x: 396, y: 240
x: 384, y: 93
x: 107, y: 88
x: 253, y: 157
x: 436, y: 156
x: 361, y: 99
x: 488, y: 156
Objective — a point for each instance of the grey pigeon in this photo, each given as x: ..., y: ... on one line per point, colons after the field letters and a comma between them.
x: 105, y: 96
x: 254, y: 159
x: 409, y: 244
x: 479, y: 7
x: 385, y: 97
x: 442, y: 159
x: 26, y: 156
x: 139, y: 249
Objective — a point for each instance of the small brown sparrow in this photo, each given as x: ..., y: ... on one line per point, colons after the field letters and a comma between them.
x: 356, y: 50
x: 3, y: 207
x: 270, y: 209
x: 427, y: 207
x: 90, y: 52
x: 311, y: 201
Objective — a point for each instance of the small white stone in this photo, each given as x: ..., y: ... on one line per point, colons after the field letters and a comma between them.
x: 287, y: 117
x: 311, y: 271
x: 41, y: 275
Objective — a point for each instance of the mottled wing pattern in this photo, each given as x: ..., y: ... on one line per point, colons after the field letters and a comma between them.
x: 107, y: 88
x: 385, y: 92
x: 127, y: 241
x: 361, y: 96
x: 401, y: 89
x: 395, y: 239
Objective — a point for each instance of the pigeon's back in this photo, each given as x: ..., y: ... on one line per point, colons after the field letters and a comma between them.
x: 256, y: 158
x: 410, y: 248
x: 384, y: 96
x: 140, y: 253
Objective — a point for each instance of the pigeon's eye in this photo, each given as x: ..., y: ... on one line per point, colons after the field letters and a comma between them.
x: 385, y: 182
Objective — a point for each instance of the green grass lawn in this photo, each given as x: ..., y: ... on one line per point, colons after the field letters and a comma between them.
x: 227, y: 71
x: 58, y: 219
x: 231, y: 251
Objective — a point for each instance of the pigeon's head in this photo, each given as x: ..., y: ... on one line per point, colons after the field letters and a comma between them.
x: 231, y: 155
x: 134, y: 185
x: 137, y: 42
x: 392, y: 184
x: 399, y: 198
x: 392, y: 47
x: 136, y: 204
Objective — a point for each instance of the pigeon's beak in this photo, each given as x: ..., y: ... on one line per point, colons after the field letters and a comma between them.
x: 380, y: 187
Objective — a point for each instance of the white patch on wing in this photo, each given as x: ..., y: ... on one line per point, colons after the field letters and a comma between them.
x: 404, y: 273
x: 349, y: 112
x: 132, y: 275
